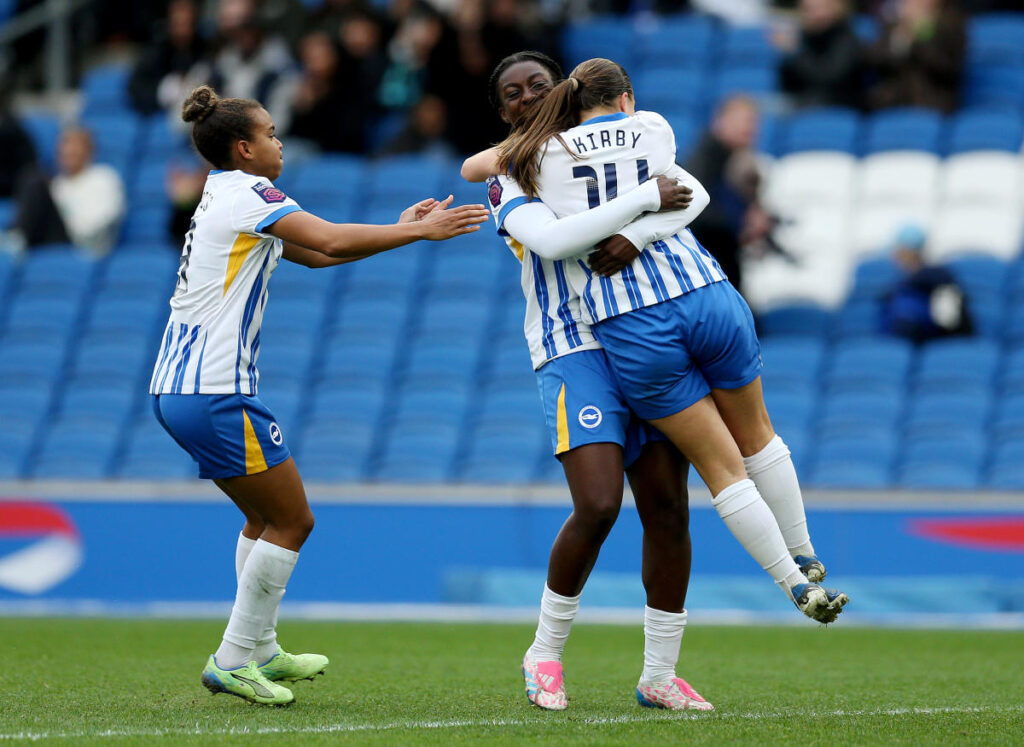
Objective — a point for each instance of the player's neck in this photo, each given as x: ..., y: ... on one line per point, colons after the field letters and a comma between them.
x: 598, y: 111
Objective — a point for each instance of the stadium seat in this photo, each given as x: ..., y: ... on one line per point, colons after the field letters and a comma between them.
x: 53, y: 318
x: 981, y: 277
x: 994, y: 39
x: 399, y: 181
x: 905, y: 177
x: 672, y: 89
x: 15, y: 448
x: 105, y: 88
x: 152, y: 454
x: 946, y: 365
x: 939, y: 475
x: 1007, y: 476
x: 830, y: 129
x: 748, y: 45
x: 759, y: 81
x: 114, y: 314
x: 985, y: 130
x: 44, y: 129
x: 983, y: 178
x: 971, y: 229
x: 115, y: 136
x: 801, y: 181
x: 878, y: 223
x: 791, y: 363
x: 794, y: 320
x: 936, y: 413
x: 681, y: 41
x: 596, y: 37
x: 92, y: 399
x: 903, y: 129
x: 335, y: 178
x: 143, y: 273
x: 499, y: 469
x: 55, y: 271
x: 952, y: 461
x: 326, y: 452
x: 361, y: 402
x: 509, y: 408
x: 791, y: 410
x: 1008, y: 418
x: 31, y: 359
x: 121, y: 360
x: 367, y: 356
x: 433, y: 406
x: 873, y: 278
x: 1011, y: 381
x: 853, y: 463
x: 858, y: 318
x: 24, y: 404
x: 864, y: 411
x: 447, y: 358
x: 79, y: 447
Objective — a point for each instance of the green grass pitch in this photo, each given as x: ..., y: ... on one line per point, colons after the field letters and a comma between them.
x: 137, y: 682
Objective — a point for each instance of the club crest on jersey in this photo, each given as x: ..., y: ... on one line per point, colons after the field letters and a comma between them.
x: 268, y: 193
x: 494, y: 190
x: 590, y: 417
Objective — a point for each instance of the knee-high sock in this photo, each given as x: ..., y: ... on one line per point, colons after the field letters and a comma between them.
x: 751, y: 522
x: 663, y: 634
x: 773, y: 473
x: 260, y: 588
x: 556, y: 616
x: 267, y: 645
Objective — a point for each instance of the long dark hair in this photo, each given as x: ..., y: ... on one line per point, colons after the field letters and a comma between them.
x: 217, y: 124
x: 594, y: 83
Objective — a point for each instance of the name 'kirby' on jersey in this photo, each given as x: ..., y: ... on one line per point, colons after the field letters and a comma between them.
x: 613, y: 153
x: 553, y: 325
x: 212, y: 339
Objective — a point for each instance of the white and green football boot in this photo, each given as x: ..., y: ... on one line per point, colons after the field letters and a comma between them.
x: 245, y: 682
x: 286, y: 667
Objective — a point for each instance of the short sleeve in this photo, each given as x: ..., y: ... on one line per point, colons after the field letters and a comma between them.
x: 503, y: 196
x: 258, y: 205
x: 663, y: 141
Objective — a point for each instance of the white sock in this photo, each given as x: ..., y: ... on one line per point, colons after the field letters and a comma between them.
x: 242, y: 550
x: 751, y: 522
x: 260, y: 588
x: 556, y: 616
x: 266, y: 647
x: 663, y: 634
x: 773, y: 473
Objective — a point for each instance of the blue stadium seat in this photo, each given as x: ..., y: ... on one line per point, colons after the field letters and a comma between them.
x: 988, y: 317
x: 150, y: 185
x: 854, y: 462
x: 802, y: 319
x: 518, y: 442
x: 291, y: 280
x: 77, y: 447
x: 993, y: 87
x: 939, y: 475
x: 952, y: 461
x: 985, y: 130
x: 947, y: 412
x: 792, y: 409
x: 683, y: 40
x: 31, y: 360
x: 687, y: 128
x: 945, y: 365
x: 53, y: 318
x: 295, y: 316
x: 1007, y: 476
x: 115, y: 135
x: 451, y: 319
x: 400, y: 181
x: 117, y: 360
x: 1008, y: 418
x: 418, y: 452
x: 453, y: 358
x: 981, y: 276
x: 1008, y: 451
x: 105, y: 88
x: 603, y: 36
x: 469, y: 263
x: 397, y: 269
x: 491, y: 469
x: 993, y: 39
x: 756, y: 81
x: 6, y: 217
x: 873, y: 278
x: 152, y: 454
x: 903, y: 129
x: 370, y: 356
x: 791, y: 364
x: 15, y: 448
x: 865, y: 363
x: 748, y: 45
x: 384, y: 314
x: 159, y: 143
x: 145, y: 273
x: 149, y: 222
x: 55, y: 271
x: 44, y: 129
x: 109, y: 401
x: 334, y: 177
x: 857, y: 318
x: 326, y: 452
x: 671, y: 90
x: 115, y: 314
x: 866, y: 27
x: 361, y: 402
x: 859, y: 411
x: 822, y: 129
x: 23, y: 404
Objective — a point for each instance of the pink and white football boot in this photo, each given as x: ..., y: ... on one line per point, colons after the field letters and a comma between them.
x: 545, y: 684
x: 675, y: 695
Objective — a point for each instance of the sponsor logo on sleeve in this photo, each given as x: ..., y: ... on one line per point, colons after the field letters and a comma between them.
x: 268, y: 193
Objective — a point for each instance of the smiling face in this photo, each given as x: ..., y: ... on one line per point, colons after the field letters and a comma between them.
x: 521, y: 87
x: 262, y: 154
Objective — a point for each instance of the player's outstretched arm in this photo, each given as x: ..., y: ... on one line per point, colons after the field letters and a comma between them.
x: 478, y: 167
x: 535, y: 226
x: 346, y: 242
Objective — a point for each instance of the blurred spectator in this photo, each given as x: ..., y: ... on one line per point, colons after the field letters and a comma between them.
x: 82, y: 204
x: 16, y: 150
x: 725, y: 163
x: 927, y: 302
x: 424, y: 131
x: 823, y: 65
x: 919, y: 57
x: 252, y: 64
x: 167, y: 69
x: 324, y: 111
x: 185, y: 182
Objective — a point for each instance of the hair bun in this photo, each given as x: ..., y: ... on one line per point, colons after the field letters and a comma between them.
x: 200, y: 104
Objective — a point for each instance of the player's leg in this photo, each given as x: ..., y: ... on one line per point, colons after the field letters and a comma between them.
x: 729, y: 356
x: 658, y: 481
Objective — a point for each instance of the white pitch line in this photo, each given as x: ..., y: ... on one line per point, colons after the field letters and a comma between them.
x: 461, y: 724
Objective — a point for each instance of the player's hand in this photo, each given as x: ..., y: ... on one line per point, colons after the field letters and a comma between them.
x: 674, y: 196
x: 442, y: 223
x: 418, y: 211
x: 612, y: 255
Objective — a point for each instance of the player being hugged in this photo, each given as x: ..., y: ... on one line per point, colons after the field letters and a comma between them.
x: 204, y: 383
x: 678, y: 336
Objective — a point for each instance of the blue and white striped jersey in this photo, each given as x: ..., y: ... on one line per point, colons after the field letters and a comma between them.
x: 553, y: 323
x: 613, y: 153
x: 212, y: 339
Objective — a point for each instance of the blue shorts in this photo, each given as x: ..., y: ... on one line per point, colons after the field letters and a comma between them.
x: 583, y: 405
x: 670, y: 355
x: 227, y: 434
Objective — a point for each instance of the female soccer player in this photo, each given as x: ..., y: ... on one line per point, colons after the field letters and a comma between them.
x: 593, y: 432
x: 204, y: 380
x: 679, y: 337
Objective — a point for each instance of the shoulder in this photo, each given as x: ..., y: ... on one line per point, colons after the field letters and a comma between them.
x: 501, y: 190
x: 652, y: 120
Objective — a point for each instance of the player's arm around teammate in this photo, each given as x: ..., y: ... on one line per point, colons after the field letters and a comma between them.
x: 204, y: 380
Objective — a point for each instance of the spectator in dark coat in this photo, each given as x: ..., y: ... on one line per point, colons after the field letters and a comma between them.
x: 824, y: 66
x: 17, y: 153
x: 167, y: 69
x: 323, y: 112
x: 920, y: 57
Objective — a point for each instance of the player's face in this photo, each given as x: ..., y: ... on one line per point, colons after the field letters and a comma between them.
x: 521, y: 87
x: 266, y: 150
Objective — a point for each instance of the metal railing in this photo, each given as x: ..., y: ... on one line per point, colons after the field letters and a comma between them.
x: 55, y: 17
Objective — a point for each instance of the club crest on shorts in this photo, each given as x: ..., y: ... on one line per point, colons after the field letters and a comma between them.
x: 268, y: 193
x: 590, y: 416
x: 275, y: 433
x: 494, y: 190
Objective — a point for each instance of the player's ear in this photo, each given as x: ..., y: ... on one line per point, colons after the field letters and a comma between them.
x: 504, y: 116
x: 243, y: 150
